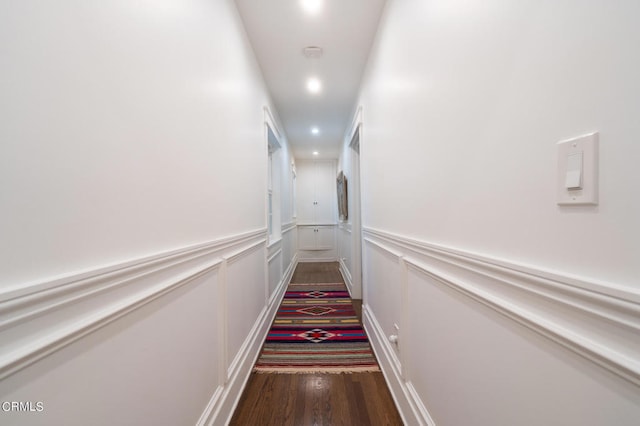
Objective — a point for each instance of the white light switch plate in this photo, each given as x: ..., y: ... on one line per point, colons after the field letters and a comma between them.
x: 588, y: 193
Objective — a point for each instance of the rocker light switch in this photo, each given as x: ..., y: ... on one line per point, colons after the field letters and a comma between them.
x: 573, y: 178
x: 578, y: 170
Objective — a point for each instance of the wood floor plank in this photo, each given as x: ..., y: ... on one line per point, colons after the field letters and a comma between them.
x: 317, y: 272
x: 316, y: 399
x: 318, y: 410
x: 300, y: 398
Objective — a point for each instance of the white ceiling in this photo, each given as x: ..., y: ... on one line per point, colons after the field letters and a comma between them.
x: 279, y: 30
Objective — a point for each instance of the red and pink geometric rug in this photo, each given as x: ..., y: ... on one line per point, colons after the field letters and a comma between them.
x: 316, y: 330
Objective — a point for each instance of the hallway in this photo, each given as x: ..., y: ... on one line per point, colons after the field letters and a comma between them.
x: 471, y: 167
x: 316, y: 399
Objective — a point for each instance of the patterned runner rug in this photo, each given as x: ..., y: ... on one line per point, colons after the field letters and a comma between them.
x: 316, y: 330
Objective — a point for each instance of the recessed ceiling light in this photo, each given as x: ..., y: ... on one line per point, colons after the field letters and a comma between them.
x: 315, y: 152
x: 314, y: 85
x: 315, y: 130
x: 311, y: 6
x: 312, y: 52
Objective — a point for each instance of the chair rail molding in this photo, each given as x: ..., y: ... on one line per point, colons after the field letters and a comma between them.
x: 41, y: 318
x: 286, y: 227
x: 596, y: 320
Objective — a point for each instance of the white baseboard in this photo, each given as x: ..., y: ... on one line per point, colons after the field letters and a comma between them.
x: 346, y: 275
x: 288, y: 274
x: 410, y: 407
x: 224, y: 401
x: 317, y: 259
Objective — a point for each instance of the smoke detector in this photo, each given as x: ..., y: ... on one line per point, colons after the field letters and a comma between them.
x: 312, y: 51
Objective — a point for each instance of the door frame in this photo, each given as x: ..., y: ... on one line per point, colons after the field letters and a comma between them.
x: 355, y: 211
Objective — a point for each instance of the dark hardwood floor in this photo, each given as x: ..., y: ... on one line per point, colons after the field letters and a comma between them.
x: 317, y: 272
x: 316, y: 399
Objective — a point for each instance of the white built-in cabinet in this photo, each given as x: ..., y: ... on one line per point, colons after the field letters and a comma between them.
x: 316, y: 185
x: 316, y: 237
x: 316, y: 209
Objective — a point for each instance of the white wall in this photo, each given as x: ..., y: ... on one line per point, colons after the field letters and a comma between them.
x: 124, y: 125
x: 463, y: 103
x: 132, y: 191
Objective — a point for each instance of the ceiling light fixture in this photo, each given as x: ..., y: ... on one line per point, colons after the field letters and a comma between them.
x: 315, y: 152
x: 315, y: 130
x: 311, y: 6
x: 314, y: 85
x: 312, y: 52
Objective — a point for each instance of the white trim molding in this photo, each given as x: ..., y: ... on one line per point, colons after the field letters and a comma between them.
x: 50, y: 315
x: 55, y: 336
x: 274, y: 255
x: 598, y: 321
x: 223, y: 403
x: 38, y: 319
x: 286, y: 227
x: 355, y: 123
x: 346, y: 275
x: 271, y: 122
x: 409, y: 405
x: 28, y: 293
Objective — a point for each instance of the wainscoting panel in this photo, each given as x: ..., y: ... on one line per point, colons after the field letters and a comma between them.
x: 344, y: 245
x: 509, y: 343
x: 383, y: 293
x: 179, y: 331
x: 240, y: 366
x: 289, y: 259
x: 274, y: 263
x: 344, y: 254
x: 245, y: 299
x: 126, y: 371
x: 289, y: 241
